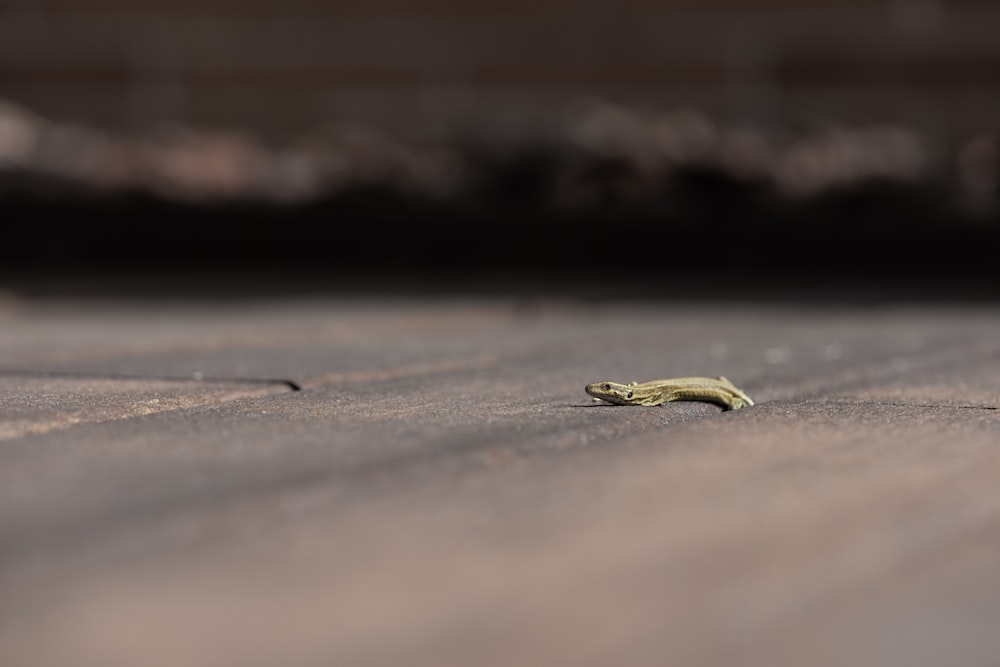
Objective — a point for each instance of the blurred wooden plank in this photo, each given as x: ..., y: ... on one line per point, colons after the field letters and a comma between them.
x: 454, y: 513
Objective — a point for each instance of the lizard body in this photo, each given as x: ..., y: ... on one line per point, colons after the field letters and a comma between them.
x: 713, y: 390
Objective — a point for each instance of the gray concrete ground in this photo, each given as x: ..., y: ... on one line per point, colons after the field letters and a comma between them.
x: 442, y: 492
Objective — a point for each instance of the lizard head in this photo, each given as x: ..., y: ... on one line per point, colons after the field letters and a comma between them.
x: 612, y: 392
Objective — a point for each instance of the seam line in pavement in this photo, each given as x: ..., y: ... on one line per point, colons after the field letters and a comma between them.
x: 71, y: 375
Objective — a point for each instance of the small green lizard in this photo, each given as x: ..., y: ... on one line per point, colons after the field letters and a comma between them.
x: 713, y: 390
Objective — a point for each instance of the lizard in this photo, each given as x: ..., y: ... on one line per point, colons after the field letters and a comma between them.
x: 713, y: 390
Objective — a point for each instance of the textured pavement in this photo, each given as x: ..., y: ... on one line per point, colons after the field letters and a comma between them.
x: 378, y: 481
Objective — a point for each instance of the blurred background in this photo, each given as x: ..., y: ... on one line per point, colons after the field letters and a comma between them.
x: 760, y: 146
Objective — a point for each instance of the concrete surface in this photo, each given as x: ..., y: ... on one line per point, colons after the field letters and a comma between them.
x: 441, y: 491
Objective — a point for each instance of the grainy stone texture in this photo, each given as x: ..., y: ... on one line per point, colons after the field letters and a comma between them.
x: 442, y: 492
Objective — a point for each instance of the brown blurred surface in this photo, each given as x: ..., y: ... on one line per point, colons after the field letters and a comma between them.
x: 808, y: 141
x: 342, y: 135
x: 418, y: 68
x: 441, y: 491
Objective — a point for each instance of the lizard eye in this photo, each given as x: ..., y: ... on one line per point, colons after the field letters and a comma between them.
x: 629, y: 395
x: 607, y: 387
